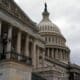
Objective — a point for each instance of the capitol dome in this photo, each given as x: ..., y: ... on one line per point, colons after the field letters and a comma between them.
x: 55, y: 42
x: 46, y: 25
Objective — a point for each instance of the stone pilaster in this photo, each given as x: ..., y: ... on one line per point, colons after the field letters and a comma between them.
x: 9, y: 41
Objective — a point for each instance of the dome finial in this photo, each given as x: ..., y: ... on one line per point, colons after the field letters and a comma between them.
x: 45, y: 12
x: 45, y: 7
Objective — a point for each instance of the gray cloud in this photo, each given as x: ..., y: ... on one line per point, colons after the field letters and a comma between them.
x: 65, y: 14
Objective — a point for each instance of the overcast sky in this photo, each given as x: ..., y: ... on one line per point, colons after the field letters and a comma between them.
x: 65, y: 14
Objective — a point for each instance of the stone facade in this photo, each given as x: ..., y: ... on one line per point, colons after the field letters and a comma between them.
x: 74, y: 72
x: 20, y: 43
x: 10, y: 70
x: 22, y: 38
x: 56, y: 52
x: 26, y: 49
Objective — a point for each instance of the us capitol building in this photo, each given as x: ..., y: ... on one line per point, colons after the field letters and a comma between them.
x: 30, y: 51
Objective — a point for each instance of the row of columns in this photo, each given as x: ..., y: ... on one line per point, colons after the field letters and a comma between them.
x: 35, y: 59
x: 18, y: 45
x: 18, y: 48
x: 76, y: 76
x: 40, y: 53
x: 55, y: 40
x: 57, y: 54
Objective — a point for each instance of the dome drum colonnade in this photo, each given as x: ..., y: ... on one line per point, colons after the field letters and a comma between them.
x: 55, y: 42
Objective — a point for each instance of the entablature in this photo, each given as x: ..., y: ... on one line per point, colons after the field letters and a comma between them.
x: 12, y: 8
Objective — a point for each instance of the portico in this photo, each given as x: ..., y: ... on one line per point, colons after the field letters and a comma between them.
x: 19, y: 44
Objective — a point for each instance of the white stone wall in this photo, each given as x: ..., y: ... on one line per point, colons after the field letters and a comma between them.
x: 4, y: 74
x: 16, y: 72
x: 19, y: 75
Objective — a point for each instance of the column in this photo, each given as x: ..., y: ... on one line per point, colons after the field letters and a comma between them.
x: 59, y: 42
x: 56, y: 53
x: 19, y: 43
x: 43, y: 56
x: 0, y: 37
x: 64, y: 54
x: 48, y: 51
x: 52, y: 52
x: 54, y: 40
x: 34, y: 55
x: 60, y: 55
x: 9, y: 42
x: 38, y: 56
x: 27, y: 46
x: 0, y: 27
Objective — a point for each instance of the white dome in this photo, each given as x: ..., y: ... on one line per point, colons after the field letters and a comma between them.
x: 46, y: 25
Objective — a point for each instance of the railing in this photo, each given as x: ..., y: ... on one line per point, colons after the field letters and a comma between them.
x: 16, y: 57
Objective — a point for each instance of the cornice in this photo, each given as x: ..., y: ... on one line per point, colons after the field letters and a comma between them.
x: 52, y: 34
x: 59, y: 47
x: 12, y: 8
x: 58, y: 63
